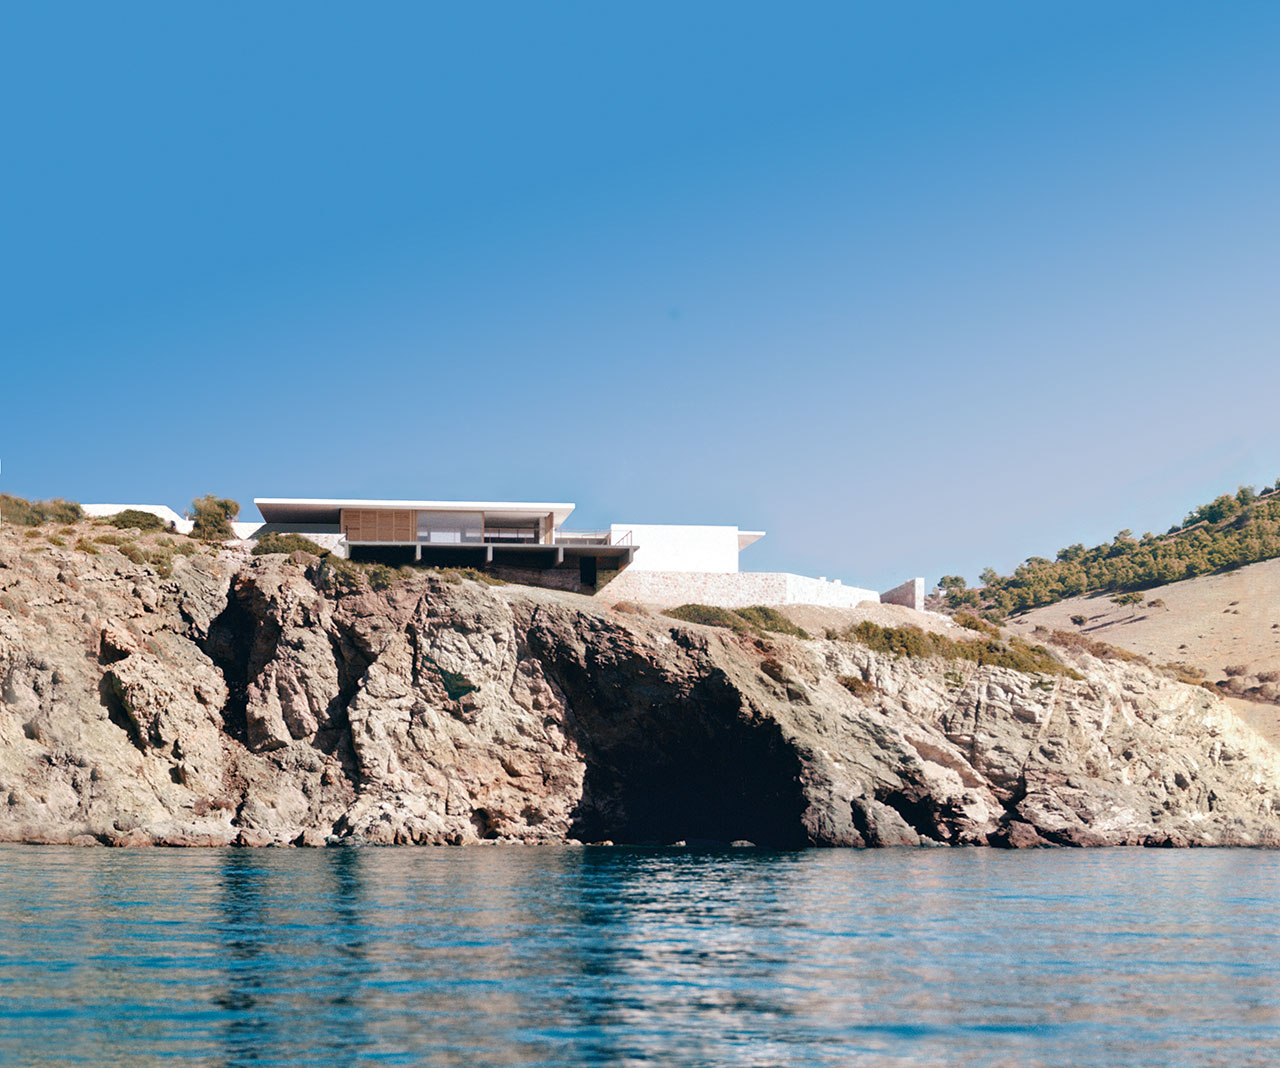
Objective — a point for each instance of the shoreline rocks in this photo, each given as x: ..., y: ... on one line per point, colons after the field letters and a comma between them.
x: 245, y: 702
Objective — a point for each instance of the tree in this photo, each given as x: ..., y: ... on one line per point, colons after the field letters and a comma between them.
x: 952, y: 582
x: 213, y: 516
x: 989, y: 576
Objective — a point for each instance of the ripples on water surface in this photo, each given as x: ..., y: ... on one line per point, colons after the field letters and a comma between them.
x: 493, y: 956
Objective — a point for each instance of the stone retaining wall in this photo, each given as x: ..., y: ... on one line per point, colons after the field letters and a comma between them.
x: 665, y: 589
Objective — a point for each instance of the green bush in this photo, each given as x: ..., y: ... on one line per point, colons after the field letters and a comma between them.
x: 380, y: 576
x: 23, y: 513
x: 709, y: 616
x: 212, y: 517
x: 1079, y: 621
x: 132, y: 518
x: 921, y: 644
x: 271, y: 542
x: 971, y: 622
x: 762, y: 617
x: 754, y: 620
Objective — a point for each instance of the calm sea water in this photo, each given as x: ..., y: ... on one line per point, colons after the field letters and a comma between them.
x: 496, y: 956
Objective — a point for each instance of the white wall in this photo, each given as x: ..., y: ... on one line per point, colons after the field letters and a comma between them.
x: 666, y: 589
x: 162, y: 511
x: 680, y: 548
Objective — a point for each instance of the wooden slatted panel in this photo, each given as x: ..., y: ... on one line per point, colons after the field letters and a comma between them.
x: 379, y: 524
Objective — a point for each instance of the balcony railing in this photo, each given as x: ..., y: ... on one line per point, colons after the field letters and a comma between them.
x: 591, y: 537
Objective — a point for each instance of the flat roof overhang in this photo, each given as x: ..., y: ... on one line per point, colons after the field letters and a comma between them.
x: 318, y: 510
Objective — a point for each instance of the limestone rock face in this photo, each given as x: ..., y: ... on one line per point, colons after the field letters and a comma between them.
x: 243, y: 700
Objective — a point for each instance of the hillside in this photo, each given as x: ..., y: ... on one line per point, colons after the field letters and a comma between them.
x: 1226, y: 626
x: 157, y: 692
x: 1229, y: 532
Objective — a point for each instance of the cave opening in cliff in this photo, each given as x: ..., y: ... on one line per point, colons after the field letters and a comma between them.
x: 691, y: 769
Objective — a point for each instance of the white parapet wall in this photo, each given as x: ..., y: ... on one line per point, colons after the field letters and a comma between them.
x: 161, y: 511
x: 679, y: 548
x: 666, y: 589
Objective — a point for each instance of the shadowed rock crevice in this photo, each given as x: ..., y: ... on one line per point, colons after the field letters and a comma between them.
x: 229, y: 644
x: 117, y: 712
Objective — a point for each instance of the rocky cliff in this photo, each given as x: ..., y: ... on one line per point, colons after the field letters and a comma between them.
x: 225, y: 699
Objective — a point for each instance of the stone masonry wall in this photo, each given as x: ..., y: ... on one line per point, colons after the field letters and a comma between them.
x: 665, y: 589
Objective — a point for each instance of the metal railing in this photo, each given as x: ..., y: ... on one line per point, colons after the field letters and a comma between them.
x: 591, y: 537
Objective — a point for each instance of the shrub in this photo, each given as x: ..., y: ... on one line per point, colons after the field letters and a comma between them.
x: 753, y: 620
x: 1066, y: 639
x: 1157, y: 603
x: 133, y: 518
x: 1269, y: 676
x: 971, y: 622
x: 1079, y: 621
x: 213, y: 516
x: 24, y: 513
x: 381, y: 577
x: 630, y: 608
x: 709, y: 616
x: 1235, y: 670
x: 476, y: 575
x: 765, y: 618
x: 271, y: 542
x: 133, y: 551
x: 1188, y: 673
x: 338, y: 574
x: 856, y: 685
x: 1126, y: 599
x: 919, y: 644
x: 84, y: 545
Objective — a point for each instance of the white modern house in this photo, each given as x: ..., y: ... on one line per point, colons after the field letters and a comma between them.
x: 659, y: 565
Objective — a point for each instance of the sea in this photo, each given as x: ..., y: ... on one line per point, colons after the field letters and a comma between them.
x: 559, y: 955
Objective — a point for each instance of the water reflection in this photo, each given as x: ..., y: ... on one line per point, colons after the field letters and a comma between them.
x: 598, y: 956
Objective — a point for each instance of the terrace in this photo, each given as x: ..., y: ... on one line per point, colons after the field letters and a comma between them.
x: 453, y: 533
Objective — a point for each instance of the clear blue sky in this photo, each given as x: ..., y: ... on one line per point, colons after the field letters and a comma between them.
x: 916, y: 287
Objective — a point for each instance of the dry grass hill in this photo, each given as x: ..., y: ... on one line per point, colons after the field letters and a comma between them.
x: 1226, y: 625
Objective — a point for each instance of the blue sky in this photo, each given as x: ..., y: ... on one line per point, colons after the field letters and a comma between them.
x: 917, y: 288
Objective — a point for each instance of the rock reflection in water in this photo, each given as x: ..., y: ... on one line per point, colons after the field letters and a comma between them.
x: 597, y: 956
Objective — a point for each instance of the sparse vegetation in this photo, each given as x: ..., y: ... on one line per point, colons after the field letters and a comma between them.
x: 337, y: 574
x: 857, y: 685
x: 380, y: 576
x: 1066, y: 639
x: 753, y: 620
x: 272, y: 542
x: 476, y: 575
x: 24, y: 513
x: 916, y: 643
x: 762, y: 617
x: 133, y: 519
x: 212, y: 518
x: 709, y: 616
x: 971, y: 622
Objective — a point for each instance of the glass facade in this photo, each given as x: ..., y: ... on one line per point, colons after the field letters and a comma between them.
x: 450, y: 528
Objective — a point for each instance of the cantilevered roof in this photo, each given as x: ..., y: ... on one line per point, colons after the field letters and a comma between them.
x: 748, y: 537
x: 316, y: 510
